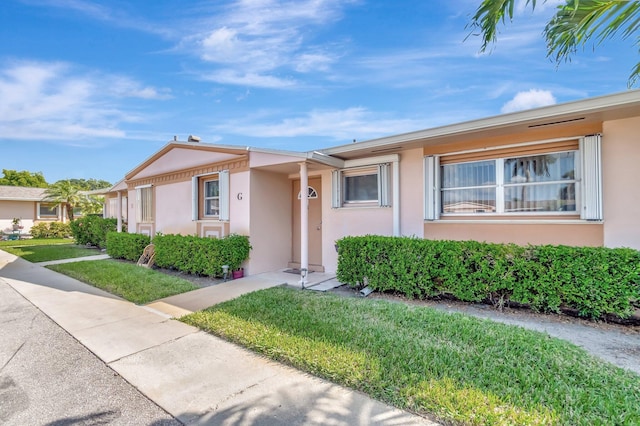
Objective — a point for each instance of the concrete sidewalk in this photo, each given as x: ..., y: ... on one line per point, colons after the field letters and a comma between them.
x: 196, y: 377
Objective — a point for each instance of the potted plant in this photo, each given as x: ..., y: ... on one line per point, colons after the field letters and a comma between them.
x: 16, y: 223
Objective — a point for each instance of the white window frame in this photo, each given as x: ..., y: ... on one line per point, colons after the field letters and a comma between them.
x: 223, y: 195
x: 205, y: 198
x: 139, y: 204
x: 587, y: 181
x: 381, y: 167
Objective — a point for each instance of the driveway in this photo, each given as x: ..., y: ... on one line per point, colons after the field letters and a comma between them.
x: 48, y: 378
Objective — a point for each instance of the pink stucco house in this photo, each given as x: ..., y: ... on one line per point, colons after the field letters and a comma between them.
x: 26, y: 204
x: 563, y: 174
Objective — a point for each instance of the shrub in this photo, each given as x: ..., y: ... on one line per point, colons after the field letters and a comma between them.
x: 592, y: 280
x: 92, y: 230
x: 201, y: 256
x: 121, y: 245
x: 50, y: 230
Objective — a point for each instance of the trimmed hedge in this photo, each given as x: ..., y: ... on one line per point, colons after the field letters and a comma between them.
x: 92, y: 230
x: 594, y: 281
x: 201, y: 256
x: 121, y: 245
x: 50, y: 230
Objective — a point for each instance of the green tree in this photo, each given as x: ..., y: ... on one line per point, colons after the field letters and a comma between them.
x: 89, y: 184
x: 23, y: 178
x: 64, y: 194
x: 575, y: 23
x: 91, y: 204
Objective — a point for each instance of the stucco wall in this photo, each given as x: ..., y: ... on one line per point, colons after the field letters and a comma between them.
x: 338, y: 223
x: 271, y: 217
x: 575, y: 234
x: 411, y: 193
x: 179, y: 159
x: 239, y: 202
x: 173, y: 207
x: 621, y: 183
x: 21, y: 209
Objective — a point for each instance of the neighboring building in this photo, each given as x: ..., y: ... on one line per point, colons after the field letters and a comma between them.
x: 26, y: 204
x: 563, y: 174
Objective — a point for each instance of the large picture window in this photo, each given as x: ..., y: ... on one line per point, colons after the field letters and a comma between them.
x: 540, y: 183
x: 469, y: 187
x: 529, y: 184
x: 558, y: 177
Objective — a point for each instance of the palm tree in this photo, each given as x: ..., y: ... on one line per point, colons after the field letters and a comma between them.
x: 65, y: 194
x: 574, y: 24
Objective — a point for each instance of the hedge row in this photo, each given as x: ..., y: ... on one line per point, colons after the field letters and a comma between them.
x: 92, y: 230
x: 50, y: 230
x: 201, y: 256
x: 121, y: 245
x: 592, y: 280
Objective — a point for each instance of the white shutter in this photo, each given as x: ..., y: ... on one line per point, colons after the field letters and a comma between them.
x: 591, y: 188
x: 383, y: 185
x: 223, y: 182
x: 194, y: 198
x: 431, y: 205
x: 335, y: 189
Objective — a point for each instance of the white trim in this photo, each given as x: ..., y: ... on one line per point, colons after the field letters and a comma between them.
x: 223, y: 195
x: 570, y: 110
x: 523, y: 222
x: 432, y: 190
x: 144, y: 186
x: 371, y: 161
x: 195, y: 192
x: 383, y: 185
x: 57, y: 207
x: 590, y: 147
x: 336, y: 197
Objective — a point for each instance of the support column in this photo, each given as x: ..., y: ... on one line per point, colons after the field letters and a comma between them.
x: 119, y: 211
x: 304, y: 223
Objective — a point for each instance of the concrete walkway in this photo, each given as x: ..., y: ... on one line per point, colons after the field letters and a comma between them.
x: 196, y: 377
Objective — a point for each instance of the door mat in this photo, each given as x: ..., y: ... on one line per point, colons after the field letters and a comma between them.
x: 295, y: 271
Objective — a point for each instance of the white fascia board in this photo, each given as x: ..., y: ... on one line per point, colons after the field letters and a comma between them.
x: 369, y: 161
x: 619, y: 100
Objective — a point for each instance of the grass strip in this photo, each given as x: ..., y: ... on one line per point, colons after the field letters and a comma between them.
x: 462, y: 369
x: 35, y: 242
x: 43, y: 253
x: 129, y: 281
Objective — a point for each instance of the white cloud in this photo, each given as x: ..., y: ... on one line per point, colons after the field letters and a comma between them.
x: 346, y: 124
x: 256, y: 38
x: 530, y: 99
x: 52, y: 101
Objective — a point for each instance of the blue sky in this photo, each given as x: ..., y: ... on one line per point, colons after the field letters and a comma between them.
x: 91, y: 89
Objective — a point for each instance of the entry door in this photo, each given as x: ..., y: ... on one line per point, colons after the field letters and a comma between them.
x: 315, y: 225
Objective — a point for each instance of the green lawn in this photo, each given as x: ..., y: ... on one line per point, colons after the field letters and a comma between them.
x: 127, y: 280
x: 462, y: 369
x: 42, y: 253
x: 35, y: 242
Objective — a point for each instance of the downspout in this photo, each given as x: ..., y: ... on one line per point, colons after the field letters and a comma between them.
x: 119, y: 211
x: 304, y: 223
x: 396, y: 198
